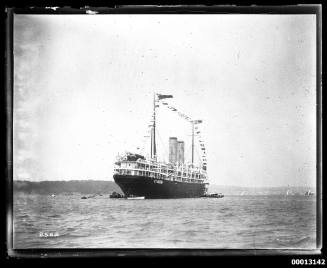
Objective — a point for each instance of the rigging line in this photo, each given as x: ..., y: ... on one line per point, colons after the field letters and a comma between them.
x: 145, y: 142
x: 199, y: 157
x: 187, y: 156
x: 161, y: 143
x: 200, y: 139
x: 188, y: 149
x: 196, y: 150
x: 200, y: 154
x: 163, y: 146
x: 197, y: 130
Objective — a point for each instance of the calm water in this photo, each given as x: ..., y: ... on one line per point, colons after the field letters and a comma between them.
x: 231, y: 222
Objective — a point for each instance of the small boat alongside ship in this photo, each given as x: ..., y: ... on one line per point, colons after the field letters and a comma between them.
x: 129, y: 197
x: 135, y: 197
x: 116, y: 195
x: 214, y: 195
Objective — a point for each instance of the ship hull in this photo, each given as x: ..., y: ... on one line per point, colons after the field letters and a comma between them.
x: 152, y: 188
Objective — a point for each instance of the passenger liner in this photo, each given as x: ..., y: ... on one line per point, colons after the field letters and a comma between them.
x: 138, y: 176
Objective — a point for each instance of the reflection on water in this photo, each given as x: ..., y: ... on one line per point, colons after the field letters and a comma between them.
x: 243, y: 222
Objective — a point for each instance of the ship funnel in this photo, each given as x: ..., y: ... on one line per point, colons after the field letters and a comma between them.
x: 173, y: 150
x: 180, y: 152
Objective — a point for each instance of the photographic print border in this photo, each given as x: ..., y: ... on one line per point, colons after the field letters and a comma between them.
x: 79, y: 252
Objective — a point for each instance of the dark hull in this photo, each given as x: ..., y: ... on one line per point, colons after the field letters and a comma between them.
x: 150, y: 188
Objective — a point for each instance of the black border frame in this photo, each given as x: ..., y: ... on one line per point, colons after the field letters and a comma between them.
x: 315, y: 9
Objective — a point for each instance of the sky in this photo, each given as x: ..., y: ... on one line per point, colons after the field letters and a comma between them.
x: 84, y: 85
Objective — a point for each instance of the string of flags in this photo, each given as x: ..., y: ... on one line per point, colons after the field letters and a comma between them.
x: 201, y: 143
x: 195, y: 122
x: 170, y: 107
x: 203, y: 149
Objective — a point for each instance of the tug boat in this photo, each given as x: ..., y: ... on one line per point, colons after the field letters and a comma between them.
x: 132, y: 197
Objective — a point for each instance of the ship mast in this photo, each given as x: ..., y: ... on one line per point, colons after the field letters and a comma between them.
x: 153, y: 133
x: 192, y: 142
x: 193, y: 122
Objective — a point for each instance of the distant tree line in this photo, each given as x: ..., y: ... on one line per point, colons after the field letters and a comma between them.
x: 107, y: 187
x: 58, y: 187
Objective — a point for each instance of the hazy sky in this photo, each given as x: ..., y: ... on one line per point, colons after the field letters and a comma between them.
x: 83, y: 89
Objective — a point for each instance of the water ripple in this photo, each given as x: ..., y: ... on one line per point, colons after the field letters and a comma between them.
x: 231, y: 222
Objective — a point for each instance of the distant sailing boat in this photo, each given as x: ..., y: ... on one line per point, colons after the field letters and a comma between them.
x: 288, y: 192
x: 308, y: 193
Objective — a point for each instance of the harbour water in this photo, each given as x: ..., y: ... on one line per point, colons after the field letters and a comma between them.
x: 233, y: 222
